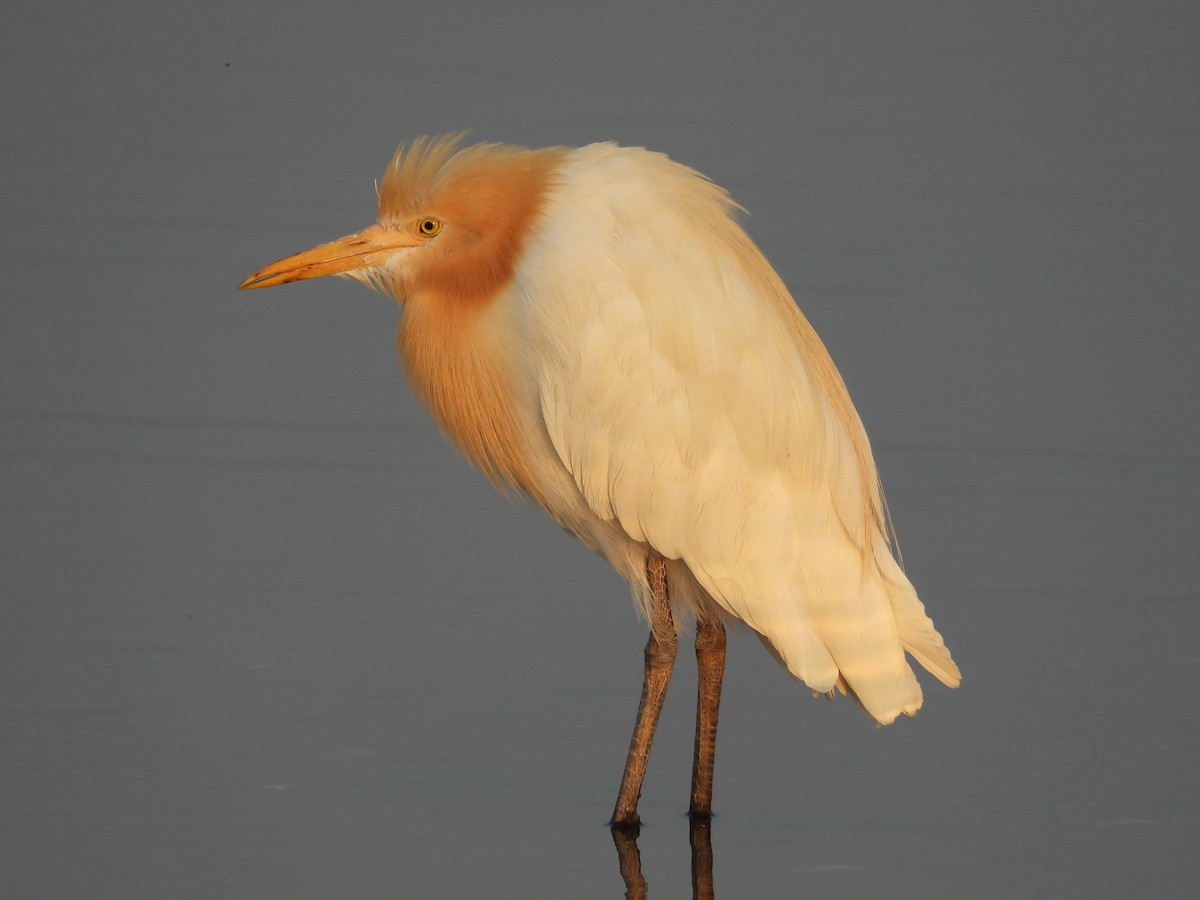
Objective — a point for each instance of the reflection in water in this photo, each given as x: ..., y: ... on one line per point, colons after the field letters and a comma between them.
x: 702, y: 859
x: 630, y: 860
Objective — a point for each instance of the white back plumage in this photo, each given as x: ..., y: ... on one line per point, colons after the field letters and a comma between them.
x: 696, y: 413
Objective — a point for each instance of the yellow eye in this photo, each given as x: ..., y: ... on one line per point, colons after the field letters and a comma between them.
x: 429, y: 226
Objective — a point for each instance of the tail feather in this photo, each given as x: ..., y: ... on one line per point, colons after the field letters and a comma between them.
x: 866, y: 624
x: 917, y: 632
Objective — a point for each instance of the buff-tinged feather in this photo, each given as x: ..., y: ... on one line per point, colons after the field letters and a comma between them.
x: 453, y: 342
x: 488, y: 196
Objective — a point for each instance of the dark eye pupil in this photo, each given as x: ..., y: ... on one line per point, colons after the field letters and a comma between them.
x: 428, y: 226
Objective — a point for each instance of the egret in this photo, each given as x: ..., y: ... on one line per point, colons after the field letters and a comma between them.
x: 593, y: 329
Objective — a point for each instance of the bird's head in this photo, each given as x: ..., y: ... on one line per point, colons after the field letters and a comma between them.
x: 452, y: 223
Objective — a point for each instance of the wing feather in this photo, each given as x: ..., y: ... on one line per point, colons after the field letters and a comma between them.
x: 693, y: 404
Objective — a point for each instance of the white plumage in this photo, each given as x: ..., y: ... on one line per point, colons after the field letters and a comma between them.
x: 673, y: 388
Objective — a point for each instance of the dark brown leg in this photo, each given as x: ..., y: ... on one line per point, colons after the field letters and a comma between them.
x: 660, y: 661
x: 710, y: 670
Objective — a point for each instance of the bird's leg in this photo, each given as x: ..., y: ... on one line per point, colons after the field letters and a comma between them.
x: 710, y: 670
x: 660, y: 661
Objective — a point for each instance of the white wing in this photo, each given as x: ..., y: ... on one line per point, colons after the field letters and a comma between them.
x: 693, y: 405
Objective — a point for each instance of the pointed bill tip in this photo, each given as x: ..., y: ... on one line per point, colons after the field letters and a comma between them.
x: 260, y: 279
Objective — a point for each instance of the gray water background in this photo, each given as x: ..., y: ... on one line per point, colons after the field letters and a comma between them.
x: 263, y: 634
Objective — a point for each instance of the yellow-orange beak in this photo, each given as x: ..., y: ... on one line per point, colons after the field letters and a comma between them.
x: 360, y: 250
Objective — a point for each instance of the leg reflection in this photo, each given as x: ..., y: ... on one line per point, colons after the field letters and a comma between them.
x: 630, y: 859
x: 702, y: 859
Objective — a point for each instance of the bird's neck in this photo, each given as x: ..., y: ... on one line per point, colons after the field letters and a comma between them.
x: 460, y: 362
